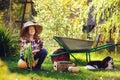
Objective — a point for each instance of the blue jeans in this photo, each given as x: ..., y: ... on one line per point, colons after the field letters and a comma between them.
x: 40, y: 56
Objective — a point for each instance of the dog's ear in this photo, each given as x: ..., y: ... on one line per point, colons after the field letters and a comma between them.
x: 105, y: 61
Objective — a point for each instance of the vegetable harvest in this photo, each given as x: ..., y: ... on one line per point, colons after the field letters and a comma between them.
x: 28, y: 55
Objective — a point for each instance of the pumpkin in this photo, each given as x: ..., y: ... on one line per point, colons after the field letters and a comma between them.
x: 22, y: 64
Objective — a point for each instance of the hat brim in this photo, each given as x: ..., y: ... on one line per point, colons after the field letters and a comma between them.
x: 39, y: 29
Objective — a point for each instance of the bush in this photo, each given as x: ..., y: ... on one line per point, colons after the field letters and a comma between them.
x: 8, y: 42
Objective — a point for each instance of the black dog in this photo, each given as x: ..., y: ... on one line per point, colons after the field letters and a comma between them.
x: 106, y: 63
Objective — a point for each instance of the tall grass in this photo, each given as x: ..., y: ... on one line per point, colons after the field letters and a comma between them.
x: 8, y: 42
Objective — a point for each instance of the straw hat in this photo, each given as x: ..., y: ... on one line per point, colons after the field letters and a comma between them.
x: 30, y: 23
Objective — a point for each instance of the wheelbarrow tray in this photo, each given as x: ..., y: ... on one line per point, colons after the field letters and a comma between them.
x: 73, y: 44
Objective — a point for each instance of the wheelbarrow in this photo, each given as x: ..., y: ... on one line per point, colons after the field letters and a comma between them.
x: 72, y: 45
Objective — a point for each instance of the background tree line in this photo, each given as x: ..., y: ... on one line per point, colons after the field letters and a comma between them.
x: 67, y: 18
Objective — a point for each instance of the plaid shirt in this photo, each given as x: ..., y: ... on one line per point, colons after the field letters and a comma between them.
x: 36, y: 44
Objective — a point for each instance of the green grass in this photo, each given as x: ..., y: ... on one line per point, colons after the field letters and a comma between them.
x: 10, y: 71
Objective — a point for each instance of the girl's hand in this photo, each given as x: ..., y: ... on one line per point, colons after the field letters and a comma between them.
x: 36, y: 50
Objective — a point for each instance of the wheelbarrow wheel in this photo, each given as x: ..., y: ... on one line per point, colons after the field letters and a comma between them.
x: 62, y: 57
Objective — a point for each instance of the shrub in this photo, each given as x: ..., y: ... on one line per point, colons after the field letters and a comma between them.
x: 8, y: 42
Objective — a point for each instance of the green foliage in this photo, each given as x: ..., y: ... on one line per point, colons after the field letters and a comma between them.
x: 67, y: 17
x: 8, y: 42
x: 60, y: 17
x: 107, y: 15
x: 28, y: 55
x: 4, y: 4
x: 10, y: 14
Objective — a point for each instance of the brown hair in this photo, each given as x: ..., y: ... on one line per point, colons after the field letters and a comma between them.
x: 25, y: 34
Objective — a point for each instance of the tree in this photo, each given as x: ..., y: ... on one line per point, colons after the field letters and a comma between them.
x: 67, y: 17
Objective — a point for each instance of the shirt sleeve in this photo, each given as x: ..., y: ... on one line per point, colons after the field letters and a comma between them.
x: 22, y: 46
x: 23, y: 43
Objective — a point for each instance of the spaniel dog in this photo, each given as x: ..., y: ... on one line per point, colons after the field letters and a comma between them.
x: 106, y: 63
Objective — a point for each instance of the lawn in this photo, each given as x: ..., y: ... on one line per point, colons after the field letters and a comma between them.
x: 10, y: 71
